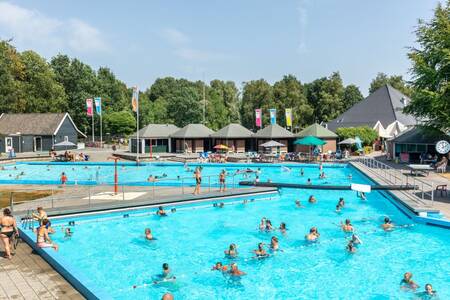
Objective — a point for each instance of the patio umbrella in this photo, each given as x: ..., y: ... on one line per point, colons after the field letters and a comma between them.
x: 310, y: 141
x: 221, y: 147
x: 271, y: 144
x: 348, y: 141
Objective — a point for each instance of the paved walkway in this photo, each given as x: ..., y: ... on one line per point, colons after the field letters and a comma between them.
x: 28, y: 276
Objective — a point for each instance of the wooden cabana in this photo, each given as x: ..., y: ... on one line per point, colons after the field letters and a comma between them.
x: 192, y: 138
x: 235, y: 136
x: 276, y: 133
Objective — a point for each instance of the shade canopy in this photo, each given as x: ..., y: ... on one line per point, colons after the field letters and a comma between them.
x: 271, y: 144
x: 64, y: 144
x: 310, y: 141
x: 348, y: 141
x: 221, y: 147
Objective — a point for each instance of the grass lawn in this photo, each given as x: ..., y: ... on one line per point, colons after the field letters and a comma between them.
x: 22, y: 196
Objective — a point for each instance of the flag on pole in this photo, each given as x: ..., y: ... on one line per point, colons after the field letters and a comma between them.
x: 258, y: 117
x: 273, y: 116
x: 135, y: 99
x: 89, y: 107
x: 98, y: 105
x: 288, y: 114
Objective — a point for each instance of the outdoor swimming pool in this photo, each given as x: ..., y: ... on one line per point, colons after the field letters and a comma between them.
x: 130, y: 174
x: 111, y: 252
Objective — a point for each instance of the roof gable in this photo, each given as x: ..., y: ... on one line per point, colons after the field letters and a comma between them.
x: 157, y: 131
x: 317, y: 131
x: 193, y: 131
x: 31, y: 124
x: 233, y: 130
x: 273, y: 131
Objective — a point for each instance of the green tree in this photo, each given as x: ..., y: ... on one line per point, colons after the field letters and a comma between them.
x: 289, y: 93
x: 431, y: 71
x: 365, y: 133
x: 114, y: 93
x: 184, y: 107
x: 229, y: 94
x: 12, y: 74
x: 120, y: 123
x: 351, y: 96
x: 256, y: 94
x: 396, y: 81
x: 41, y: 91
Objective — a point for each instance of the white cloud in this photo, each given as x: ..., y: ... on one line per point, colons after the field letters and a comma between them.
x: 174, y: 36
x: 32, y: 29
x: 181, y: 43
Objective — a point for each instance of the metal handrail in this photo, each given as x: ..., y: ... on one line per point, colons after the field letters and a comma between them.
x: 395, y: 176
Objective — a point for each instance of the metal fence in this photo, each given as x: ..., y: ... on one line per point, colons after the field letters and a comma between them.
x: 422, y: 189
x: 88, y: 195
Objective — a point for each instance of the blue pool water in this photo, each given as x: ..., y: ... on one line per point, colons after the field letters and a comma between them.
x: 90, y: 173
x: 111, y: 250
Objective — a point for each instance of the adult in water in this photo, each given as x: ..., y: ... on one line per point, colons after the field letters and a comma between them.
x: 274, y: 245
x: 313, y: 235
x: 8, y: 231
x: 282, y: 228
x: 429, y: 293
x: 341, y: 202
x: 161, y: 212
x: 219, y: 267
x: 312, y: 199
x: 166, y: 274
x: 235, y: 271
x: 148, y: 234
x: 298, y: 204
x: 232, y: 251
x: 387, y: 225
x: 43, y: 239
x: 167, y: 296
x: 347, y: 226
x: 308, y: 182
x: 302, y: 172
x: 407, y: 283
x: 262, y: 224
x: 269, y: 226
x: 260, y: 252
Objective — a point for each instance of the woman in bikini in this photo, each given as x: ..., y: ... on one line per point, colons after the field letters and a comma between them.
x: 43, y: 239
x: 9, y: 229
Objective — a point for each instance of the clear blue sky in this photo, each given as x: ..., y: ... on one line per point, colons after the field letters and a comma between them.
x: 230, y: 40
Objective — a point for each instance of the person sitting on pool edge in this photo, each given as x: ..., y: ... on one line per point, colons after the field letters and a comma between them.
x: 161, y: 212
x: 387, y: 225
x: 260, y: 252
x: 235, y: 271
x: 232, y: 251
x: 313, y: 235
x: 407, y: 283
x: 347, y: 226
x: 312, y: 199
x: 43, y: 239
x: 219, y: 267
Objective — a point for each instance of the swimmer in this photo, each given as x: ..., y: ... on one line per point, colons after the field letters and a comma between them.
x: 282, y: 227
x: 269, y: 226
x: 260, y: 252
x: 262, y: 224
x: 151, y: 178
x: 428, y: 293
x: 219, y: 267
x: 15, y: 168
x: 269, y: 180
x: 361, y: 195
x: 322, y: 175
x: 302, y: 172
x: 313, y: 235
x: 148, y: 234
x: 68, y: 233
x: 232, y: 251
x: 387, y: 226
x: 161, y: 212
x: 256, y: 179
x: 347, y: 226
x: 22, y: 173
x: 312, y: 199
x: 308, y: 182
x: 235, y: 271
x: 341, y: 202
x: 245, y: 201
x: 221, y: 205
x: 407, y: 283
x: 356, y: 240
x: 167, y: 296
x: 298, y: 204
x: 165, y: 275
x: 274, y: 246
x: 338, y: 208
x: 350, y: 247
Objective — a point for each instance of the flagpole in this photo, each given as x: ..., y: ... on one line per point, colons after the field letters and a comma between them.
x: 93, y: 136
x: 101, y: 130
x: 137, y: 126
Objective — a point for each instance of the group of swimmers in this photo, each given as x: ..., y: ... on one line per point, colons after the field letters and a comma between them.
x: 407, y: 284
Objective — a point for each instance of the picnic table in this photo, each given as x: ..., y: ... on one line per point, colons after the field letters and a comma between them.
x: 420, y: 169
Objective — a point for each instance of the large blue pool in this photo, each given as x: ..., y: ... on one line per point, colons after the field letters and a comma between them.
x: 110, y: 251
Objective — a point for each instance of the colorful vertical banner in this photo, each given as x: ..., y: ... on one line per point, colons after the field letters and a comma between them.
x: 273, y: 116
x: 135, y: 99
x: 89, y: 108
x: 98, y: 105
x: 288, y: 114
x: 258, y: 117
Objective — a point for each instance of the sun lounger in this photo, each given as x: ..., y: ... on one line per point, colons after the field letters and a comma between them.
x: 420, y: 169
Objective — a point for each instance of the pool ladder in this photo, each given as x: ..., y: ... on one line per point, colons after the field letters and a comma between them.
x: 27, y: 222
